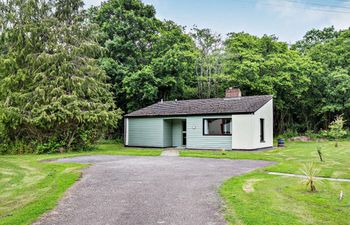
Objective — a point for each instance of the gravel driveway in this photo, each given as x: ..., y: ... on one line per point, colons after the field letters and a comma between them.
x: 123, y: 190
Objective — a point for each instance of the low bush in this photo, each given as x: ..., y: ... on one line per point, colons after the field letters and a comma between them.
x: 117, y: 140
x: 322, y: 134
x: 83, y: 140
x: 288, y: 134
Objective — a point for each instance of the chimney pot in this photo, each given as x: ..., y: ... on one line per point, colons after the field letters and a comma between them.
x: 233, y: 92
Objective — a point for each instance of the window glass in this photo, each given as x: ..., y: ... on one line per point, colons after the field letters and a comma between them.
x: 262, y: 130
x: 217, y: 126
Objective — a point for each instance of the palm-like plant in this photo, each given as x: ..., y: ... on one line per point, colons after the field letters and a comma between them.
x: 311, y: 171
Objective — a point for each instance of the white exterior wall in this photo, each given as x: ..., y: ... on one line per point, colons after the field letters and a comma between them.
x: 246, y: 129
x: 126, y: 131
x: 265, y: 112
x: 242, y: 126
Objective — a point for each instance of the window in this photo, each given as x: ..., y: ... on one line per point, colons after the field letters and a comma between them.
x: 217, y: 126
x: 262, y: 135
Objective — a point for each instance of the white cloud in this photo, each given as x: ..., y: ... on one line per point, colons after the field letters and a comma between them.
x: 308, y: 13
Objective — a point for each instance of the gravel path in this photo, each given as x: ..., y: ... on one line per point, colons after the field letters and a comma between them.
x: 170, y: 152
x: 123, y: 190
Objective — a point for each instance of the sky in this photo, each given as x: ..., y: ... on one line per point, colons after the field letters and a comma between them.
x: 289, y: 20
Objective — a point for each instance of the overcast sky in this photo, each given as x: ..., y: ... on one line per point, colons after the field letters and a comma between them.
x: 287, y: 19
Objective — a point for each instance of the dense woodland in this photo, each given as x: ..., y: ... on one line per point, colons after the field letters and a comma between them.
x: 68, y: 74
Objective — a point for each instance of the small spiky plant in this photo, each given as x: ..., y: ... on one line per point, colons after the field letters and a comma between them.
x: 319, y: 152
x: 311, y: 171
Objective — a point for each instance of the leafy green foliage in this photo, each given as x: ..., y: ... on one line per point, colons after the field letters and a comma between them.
x: 315, y: 37
x: 64, y: 73
x: 309, y: 80
x: 332, y: 86
x: 173, y: 61
x: 52, y: 92
x: 139, y: 44
x: 208, y: 68
x: 336, y: 129
x: 140, y: 97
x: 266, y: 66
x: 127, y: 29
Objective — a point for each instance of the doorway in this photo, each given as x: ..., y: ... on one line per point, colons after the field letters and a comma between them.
x: 184, y: 136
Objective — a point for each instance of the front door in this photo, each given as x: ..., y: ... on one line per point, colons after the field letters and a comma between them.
x: 184, y: 132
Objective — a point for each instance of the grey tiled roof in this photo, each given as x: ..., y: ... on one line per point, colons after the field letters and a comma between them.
x: 237, y: 105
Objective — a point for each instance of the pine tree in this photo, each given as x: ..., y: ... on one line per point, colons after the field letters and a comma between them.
x: 52, y: 92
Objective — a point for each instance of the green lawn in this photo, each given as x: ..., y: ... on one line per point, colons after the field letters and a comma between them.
x: 258, y: 198
x: 28, y: 188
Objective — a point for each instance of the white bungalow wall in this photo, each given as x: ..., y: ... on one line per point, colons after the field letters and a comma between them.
x: 246, y: 129
x: 265, y: 112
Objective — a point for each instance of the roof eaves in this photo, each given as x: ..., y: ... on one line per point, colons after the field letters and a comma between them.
x: 192, y: 114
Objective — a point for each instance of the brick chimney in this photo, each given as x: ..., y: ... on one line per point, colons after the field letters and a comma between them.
x: 233, y: 92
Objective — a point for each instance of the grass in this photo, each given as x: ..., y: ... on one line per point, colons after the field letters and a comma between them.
x: 291, y: 158
x: 28, y: 187
x: 258, y: 198
x: 283, y: 200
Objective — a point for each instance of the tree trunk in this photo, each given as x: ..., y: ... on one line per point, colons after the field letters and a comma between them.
x: 312, y: 186
x: 71, y: 138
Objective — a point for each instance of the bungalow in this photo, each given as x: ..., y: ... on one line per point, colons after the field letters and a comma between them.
x: 233, y: 122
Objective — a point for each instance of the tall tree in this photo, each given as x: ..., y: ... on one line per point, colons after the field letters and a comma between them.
x: 52, y: 92
x: 128, y: 30
x: 208, y: 63
x: 139, y: 44
x: 266, y: 66
x: 314, y: 37
x: 173, y: 62
x: 331, y: 87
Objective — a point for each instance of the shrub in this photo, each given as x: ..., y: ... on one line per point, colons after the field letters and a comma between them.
x: 313, y: 135
x: 47, y: 148
x: 288, y: 134
x: 16, y: 147
x: 336, y: 129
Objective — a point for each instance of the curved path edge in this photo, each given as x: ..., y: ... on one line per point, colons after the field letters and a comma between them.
x: 129, y: 190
